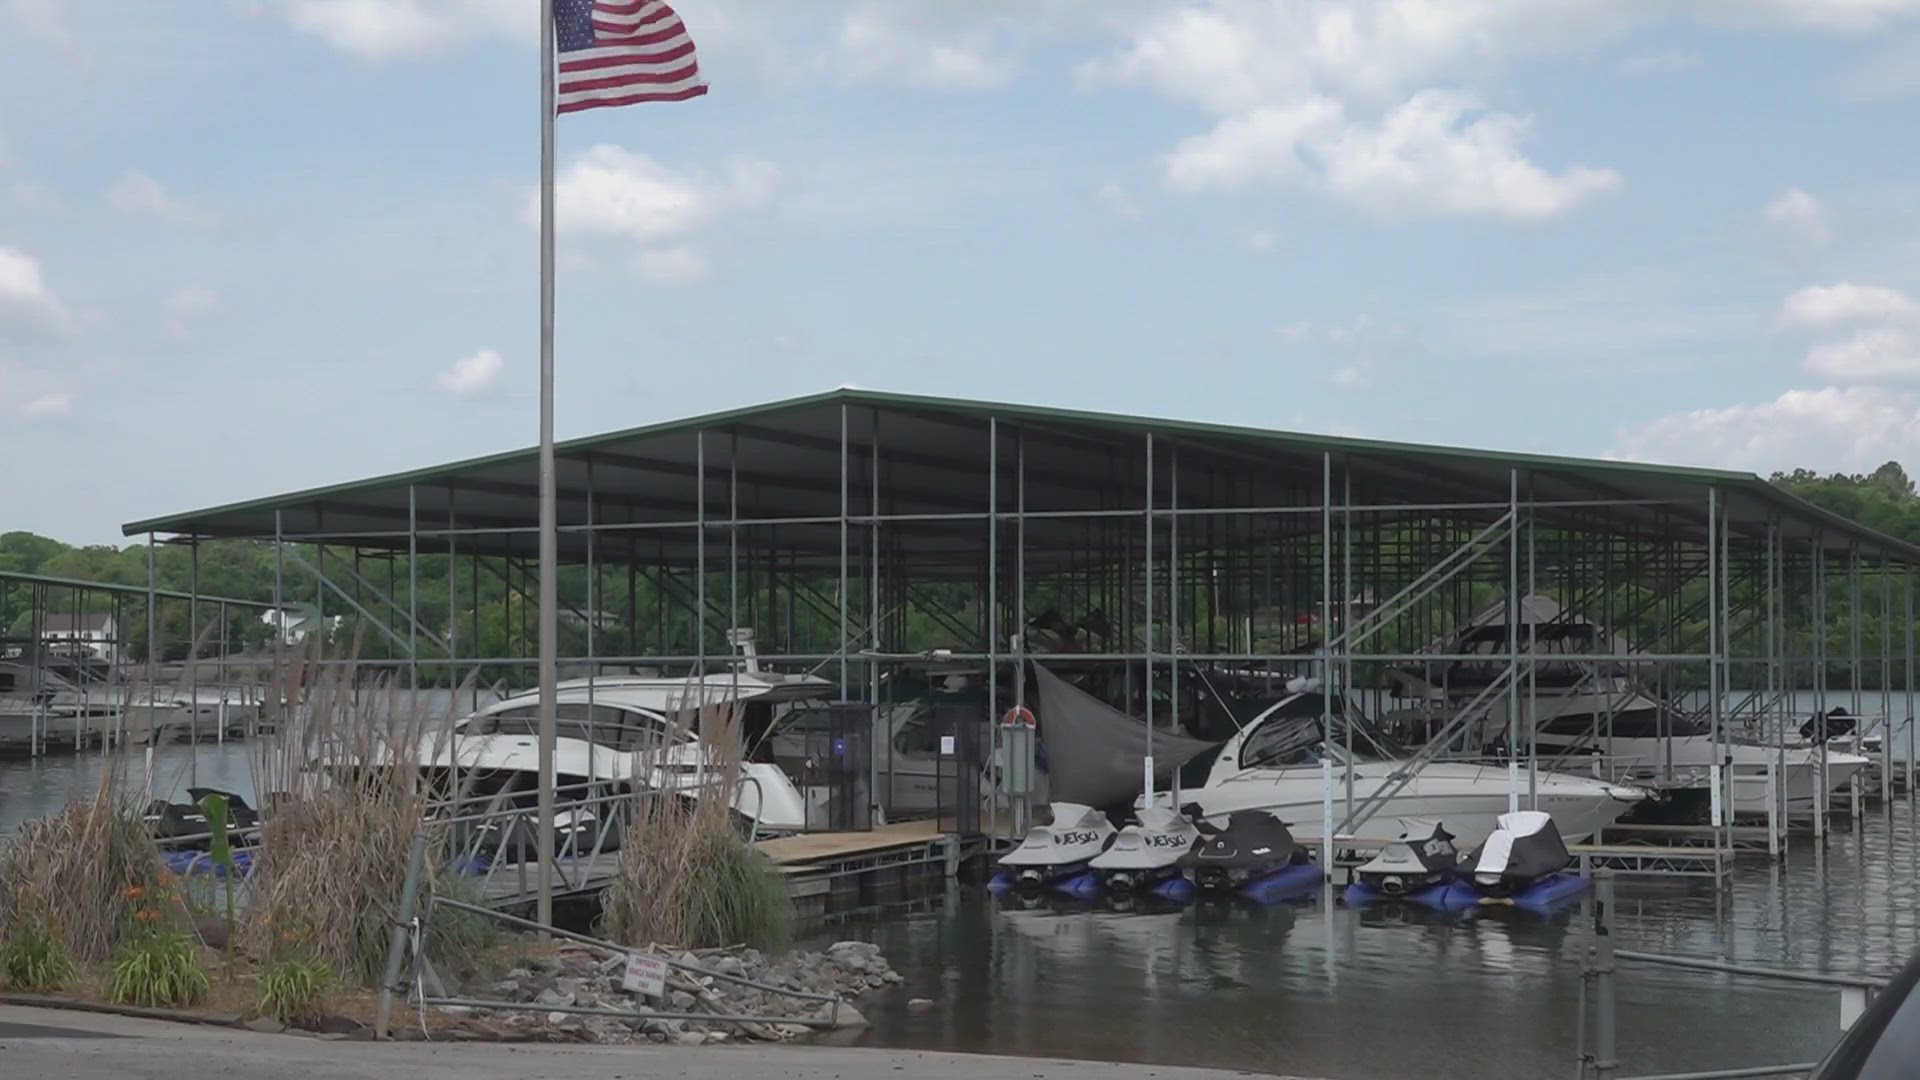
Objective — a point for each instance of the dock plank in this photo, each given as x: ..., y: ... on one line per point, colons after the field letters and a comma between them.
x: 815, y: 847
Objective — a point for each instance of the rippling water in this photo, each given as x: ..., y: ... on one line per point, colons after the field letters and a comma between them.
x: 1319, y: 989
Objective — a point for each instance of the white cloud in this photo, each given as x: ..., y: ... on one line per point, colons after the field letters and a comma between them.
x: 1427, y: 157
x: 138, y: 195
x: 41, y: 18
x: 613, y: 195
x: 1845, y: 302
x: 381, y: 29
x: 872, y: 46
x: 1354, y: 348
x: 471, y: 374
x: 192, y: 301
x: 1849, y: 429
x: 1118, y: 201
x: 1659, y: 63
x: 23, y: 285
x: 1800, y: 219
x: 1878, y: 356
x: 48, y: 405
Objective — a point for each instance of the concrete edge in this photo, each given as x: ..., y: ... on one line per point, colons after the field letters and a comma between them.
x: 175, y: 1016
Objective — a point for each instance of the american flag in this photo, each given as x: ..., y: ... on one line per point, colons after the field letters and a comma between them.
x: 618, y: 52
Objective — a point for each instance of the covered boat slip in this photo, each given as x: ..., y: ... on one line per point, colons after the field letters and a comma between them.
x: 916, y: 550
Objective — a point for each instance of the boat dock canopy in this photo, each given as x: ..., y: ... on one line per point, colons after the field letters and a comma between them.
x: 798, y: 475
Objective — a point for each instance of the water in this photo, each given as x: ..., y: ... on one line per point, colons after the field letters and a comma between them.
x: 1322, y: 990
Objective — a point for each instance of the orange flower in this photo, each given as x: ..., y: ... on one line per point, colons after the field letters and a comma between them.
x: 165, y: 879
x: 289, y: 936
x: 135, y: 892
x: 147, y: 915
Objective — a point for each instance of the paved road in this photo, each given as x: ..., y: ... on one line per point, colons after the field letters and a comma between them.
x: 92, y: 1047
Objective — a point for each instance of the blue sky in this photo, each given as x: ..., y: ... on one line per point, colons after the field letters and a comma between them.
x: 253, y: 245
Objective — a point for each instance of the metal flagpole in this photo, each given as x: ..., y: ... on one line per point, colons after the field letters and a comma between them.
x: 549, y: 541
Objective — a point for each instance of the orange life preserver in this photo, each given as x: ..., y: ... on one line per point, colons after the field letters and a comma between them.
x: 1016, y: 716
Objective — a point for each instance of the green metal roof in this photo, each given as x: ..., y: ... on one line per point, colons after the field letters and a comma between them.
x: 911, y: 420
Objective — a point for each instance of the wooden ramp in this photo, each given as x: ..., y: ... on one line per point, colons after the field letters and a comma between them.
x: 811, y: 848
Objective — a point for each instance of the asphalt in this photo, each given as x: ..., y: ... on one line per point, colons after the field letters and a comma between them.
x: 56, y: 1045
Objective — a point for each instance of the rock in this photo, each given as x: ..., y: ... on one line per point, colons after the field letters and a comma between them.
x: 331, y: 1036
x: 657, y: 1037
x: 519, y: 974
x: 727, y: 965
x: 266, y: 1025
x: 919, y: 1005
x: 690, y: 1038
x: 505, y: 990
x: 545, y: 965
x: 680, y: 1001
x: 331, y: 1024
x: 715, y: 1037
x: 846, y: 1016
x: 569, y: 984
x: 553, y: 997
x: 558, y: 1018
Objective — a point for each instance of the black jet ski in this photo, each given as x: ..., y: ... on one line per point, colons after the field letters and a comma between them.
x: 1254, y: 856
x: 1421, y: 857
x: 174, y: 821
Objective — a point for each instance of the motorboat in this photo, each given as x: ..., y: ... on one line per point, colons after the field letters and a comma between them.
x: 615, y: 731
x: 1422, y: 856
x: 1146, y: 852
x: 1587, y: 707
x: 171, y: 823
x: 1253, y: 855
x: 1274, y: 763
x: 1057, y: 854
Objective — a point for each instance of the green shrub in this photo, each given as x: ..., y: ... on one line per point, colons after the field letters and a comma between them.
x: 742, y: 900
x: 456, y: 937
x: 34, y: 961
x: 157, y: 970
x: 291, y: 989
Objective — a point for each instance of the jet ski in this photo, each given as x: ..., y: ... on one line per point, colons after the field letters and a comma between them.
x: 174, y: 821
x: 1254, y: 856
x: 1523, y: 863
x: 1056, y: 855
x: 1145, y: 855
x: 1422, y: 857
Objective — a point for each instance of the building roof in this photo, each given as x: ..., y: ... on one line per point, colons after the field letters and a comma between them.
x: 67, y: 622
x: 942, y: 460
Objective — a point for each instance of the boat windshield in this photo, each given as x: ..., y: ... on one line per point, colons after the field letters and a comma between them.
x: 1292, y: 731
x: 601, y: 725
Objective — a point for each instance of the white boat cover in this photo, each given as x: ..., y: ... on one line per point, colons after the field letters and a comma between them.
x: 1077, y: 834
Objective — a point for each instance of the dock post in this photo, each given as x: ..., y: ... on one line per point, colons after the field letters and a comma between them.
x: 1773, y: 810
x: 397, y: 936
x: 1604, y: 1064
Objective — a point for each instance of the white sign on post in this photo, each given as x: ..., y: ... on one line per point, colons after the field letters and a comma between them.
x: 645, y: 975
x: 1853, y: 1002
x: 946, y: 746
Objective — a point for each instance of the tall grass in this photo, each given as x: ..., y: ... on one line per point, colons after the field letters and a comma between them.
x: 686, y: 875
x: 71, y: 874
x: 345, y: 794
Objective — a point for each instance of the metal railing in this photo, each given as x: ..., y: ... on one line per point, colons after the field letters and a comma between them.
x: 1601, y: 972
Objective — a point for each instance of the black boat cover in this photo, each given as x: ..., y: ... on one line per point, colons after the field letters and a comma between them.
x: 1251, y: 840
x: 1094, y: 751
x: 1525, y: 848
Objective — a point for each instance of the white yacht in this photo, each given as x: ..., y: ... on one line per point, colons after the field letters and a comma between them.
x: 614, y: 729
x: 1590, y: 711
x: 1274, y: 764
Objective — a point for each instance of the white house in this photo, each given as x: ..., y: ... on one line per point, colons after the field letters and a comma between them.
x: 89, y: 633
x: 296, y: 624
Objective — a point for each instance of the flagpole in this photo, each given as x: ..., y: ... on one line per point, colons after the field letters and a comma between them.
x: 549, y: 542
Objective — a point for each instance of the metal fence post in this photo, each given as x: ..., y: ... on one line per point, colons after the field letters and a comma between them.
x: 397, y: 937
x: 1604, y: 1030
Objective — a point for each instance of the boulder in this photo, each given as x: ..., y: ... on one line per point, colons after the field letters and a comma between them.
x: 846, y: 1016
x: 553, y: 997
x: 919, y: 1005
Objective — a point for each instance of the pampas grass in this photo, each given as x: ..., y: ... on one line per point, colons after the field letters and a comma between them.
x: 345, y: 795
x: 70, y: 874
x: 686, y: 875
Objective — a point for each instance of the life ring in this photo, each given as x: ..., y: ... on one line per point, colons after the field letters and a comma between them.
x: 1016, y: 716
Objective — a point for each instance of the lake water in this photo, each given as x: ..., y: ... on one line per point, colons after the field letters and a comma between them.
x: 1318, y: 989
